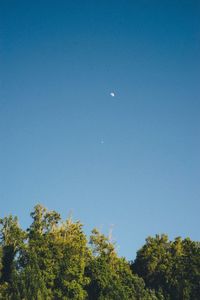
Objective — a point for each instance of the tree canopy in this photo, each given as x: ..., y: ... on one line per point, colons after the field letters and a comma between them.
x: 170, y: 266
x: 54, y: 259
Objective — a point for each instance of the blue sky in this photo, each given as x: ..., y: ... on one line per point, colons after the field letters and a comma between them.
x: 59, y: 62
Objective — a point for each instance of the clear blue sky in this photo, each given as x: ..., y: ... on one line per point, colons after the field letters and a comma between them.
x: 59, y: 62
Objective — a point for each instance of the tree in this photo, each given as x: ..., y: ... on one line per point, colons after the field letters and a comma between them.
x: 72, y: 253
x: 173, y: 267
x: 54, y: 259
x: 11, y: 242
x: 111, y: 276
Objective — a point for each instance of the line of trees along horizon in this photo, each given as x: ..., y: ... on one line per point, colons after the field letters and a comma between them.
x: 53, y: 259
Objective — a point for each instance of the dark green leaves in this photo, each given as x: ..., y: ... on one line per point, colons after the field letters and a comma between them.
x: 53, y: 260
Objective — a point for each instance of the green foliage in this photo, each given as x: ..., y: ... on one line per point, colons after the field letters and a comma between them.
x: 173, y: 267
x: 11, y: 242
x: 111, y: 276
x: 52, y: 260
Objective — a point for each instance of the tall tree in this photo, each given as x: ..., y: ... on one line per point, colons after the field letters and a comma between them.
x: 111, y: 276
x: 173, y: 267
x: 54, y: 259
x: 11, y: 242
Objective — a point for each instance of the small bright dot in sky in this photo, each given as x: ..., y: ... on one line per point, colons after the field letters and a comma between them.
x: 112, y: 94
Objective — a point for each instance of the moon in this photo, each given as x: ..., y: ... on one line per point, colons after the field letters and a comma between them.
x: 112, y: 94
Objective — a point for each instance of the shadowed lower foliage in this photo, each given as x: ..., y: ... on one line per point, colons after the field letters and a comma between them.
x: 53, y: 259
